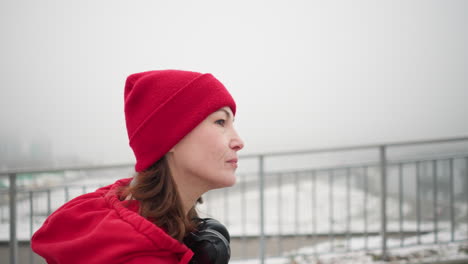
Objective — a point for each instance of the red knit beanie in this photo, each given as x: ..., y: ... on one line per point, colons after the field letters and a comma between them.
x: 161, y: 107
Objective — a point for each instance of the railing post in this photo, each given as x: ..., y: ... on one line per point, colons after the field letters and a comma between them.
x: 435, y: 201
x: 452, y: 201
x: 400, y: 202
x: 262, y: 208
x: 331, y: 209
x: 31, y: 223
x: 418, y: 201
x: 466, y: 191
x: 383, y: 200
x: 13, y: 238
x: 366, y: 193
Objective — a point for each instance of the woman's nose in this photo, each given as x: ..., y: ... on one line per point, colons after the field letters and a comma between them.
x: 236, y: 142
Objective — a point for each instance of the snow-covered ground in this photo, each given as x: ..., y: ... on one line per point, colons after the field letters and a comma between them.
x: 45, y: 202
x: 424, y: 253
x: 304, y: 207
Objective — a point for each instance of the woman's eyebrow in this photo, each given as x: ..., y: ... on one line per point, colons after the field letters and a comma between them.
x: 227, y: 114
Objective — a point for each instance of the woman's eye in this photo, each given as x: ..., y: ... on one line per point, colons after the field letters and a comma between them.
x: 220, y: 122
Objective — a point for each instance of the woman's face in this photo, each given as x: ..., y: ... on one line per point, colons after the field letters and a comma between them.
x: 206, y: 158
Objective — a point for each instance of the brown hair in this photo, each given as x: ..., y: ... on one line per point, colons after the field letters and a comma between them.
x: 160, y: 201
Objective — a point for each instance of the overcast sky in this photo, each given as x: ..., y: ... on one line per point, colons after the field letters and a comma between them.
x: 305, y: 74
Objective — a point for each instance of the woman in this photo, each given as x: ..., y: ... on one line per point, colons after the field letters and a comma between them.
x: 180, y: 127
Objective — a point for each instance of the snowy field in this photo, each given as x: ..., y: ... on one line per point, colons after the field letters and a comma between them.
x: 289, y: 209
x: 428, y: 253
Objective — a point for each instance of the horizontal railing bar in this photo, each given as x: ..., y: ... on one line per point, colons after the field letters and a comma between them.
x: 253, y: 155
x: 326, y: 234
x: 415, y: 244
x: 364, y: 164
x: 356, y: 147
x: 22, y: 189
x: 428, y: 159
x: 274, y: 173
x: 361, y: 165
x: 65, y: 168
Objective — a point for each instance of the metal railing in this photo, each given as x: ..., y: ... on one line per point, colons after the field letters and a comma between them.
x: 280, y: 201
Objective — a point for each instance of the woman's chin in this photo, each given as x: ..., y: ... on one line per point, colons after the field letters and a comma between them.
x: 227, y: 182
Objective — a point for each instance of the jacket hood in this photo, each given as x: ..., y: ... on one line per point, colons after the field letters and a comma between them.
x: 99, y: 228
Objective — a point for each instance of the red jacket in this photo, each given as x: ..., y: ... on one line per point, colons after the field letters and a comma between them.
x: 98, y: 228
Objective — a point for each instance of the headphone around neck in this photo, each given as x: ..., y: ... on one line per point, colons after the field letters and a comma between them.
x: 210, y: 243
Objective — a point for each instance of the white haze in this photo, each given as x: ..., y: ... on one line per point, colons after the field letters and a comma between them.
x: 305, y: 74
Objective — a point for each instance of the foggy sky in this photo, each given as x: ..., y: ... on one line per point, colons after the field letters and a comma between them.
x: 305, y: 74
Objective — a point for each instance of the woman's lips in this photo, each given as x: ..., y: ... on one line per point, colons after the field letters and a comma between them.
x: 233, y: 162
